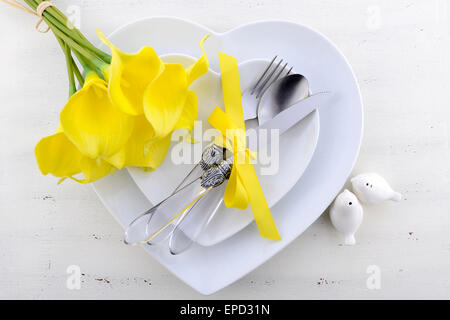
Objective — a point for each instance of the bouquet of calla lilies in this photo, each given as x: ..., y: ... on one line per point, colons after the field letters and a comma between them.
x: 124, y: 111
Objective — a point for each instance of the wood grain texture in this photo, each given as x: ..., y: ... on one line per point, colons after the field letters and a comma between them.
x: 399, y: 51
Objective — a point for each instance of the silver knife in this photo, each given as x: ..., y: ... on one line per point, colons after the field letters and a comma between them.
x: 292, y: 115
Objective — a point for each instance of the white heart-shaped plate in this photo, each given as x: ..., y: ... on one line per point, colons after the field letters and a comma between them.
x: 208, y: 269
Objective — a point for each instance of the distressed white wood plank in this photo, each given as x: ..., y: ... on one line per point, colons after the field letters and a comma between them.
x: 399, y: 51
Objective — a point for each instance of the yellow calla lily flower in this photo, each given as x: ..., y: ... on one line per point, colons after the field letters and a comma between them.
x: 57, y: 155
x: 168, y: 104
x: 129, y: 76
x: 92, y: 123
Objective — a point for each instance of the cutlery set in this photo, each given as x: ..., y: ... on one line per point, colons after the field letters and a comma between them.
x: 277, y: 101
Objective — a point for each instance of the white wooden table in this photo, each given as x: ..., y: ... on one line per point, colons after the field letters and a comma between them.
x: 400, y: 52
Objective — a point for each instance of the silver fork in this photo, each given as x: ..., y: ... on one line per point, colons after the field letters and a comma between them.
x: 184, y: 225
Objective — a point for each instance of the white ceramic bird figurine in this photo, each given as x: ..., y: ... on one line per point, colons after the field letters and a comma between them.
x: 371, y: 188
x: 346, y: 215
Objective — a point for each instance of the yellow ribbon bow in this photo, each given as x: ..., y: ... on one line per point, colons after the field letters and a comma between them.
x: 243, y: 186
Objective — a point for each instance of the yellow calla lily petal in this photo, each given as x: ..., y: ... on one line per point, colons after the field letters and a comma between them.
x: 155, y: 152
x: 118, y: 159
x: 93, y: 124
x: 164, y: 99
x: 129, y: 76
x: 58, y: 156
x: 143, y: 151
x: 200, y: 67
x: 189, y: 113
x: 94, y: 169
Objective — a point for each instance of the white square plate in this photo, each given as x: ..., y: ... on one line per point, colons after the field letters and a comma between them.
x: 208, y: 269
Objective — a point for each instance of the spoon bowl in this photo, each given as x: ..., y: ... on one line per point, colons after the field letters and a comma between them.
x: 282, y: 94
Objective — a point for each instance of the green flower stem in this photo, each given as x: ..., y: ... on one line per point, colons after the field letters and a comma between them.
x: 77, y: 36
x: 77, y: 72
x: 72, y: 86
x: 55, y: 18
x: 73, y: 65
x: 84, y: 41
x: 66, y: 50
x: 99, y: 64
x: 59, y: 33
x: 86, y: 64
x: 71, y: 39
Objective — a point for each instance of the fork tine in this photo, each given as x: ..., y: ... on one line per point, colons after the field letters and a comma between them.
x: 281, y: 71
x: 268, y: 78
x: 263, y: 89
x: 262, y: 76
x: 289, y: 71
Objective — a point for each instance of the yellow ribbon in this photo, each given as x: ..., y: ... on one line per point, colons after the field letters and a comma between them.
x: 243, y: 186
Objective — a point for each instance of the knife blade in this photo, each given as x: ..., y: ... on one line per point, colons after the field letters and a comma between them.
x: 291, y: 116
